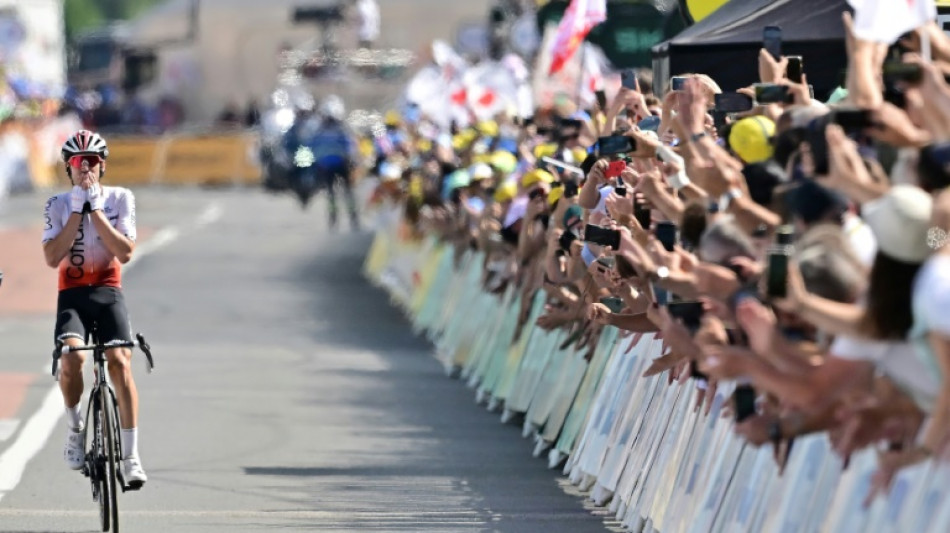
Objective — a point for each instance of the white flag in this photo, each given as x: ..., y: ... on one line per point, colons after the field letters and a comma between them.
x: 884, y: 21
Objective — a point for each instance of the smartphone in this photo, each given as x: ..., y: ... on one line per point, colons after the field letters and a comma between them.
x: 628, y: 79
x: 601, y: 99
x: 661, y: 296
x: 852, y: 119
x: 818, y: 144
x: 642, y: 214
x: 772, y: 41
x: 602, y: 236
x: 615, y: 144
x: 615, y: 168
x: 613, y: 303
x: 771, y: 93
x: 677, y: 83
x: 571, y: 189
x: 690, y: 313
x: 777, y: 280
x: 906, y: 72
x: 744, y: 397
x: 666, y: 234
x: 608, y: 262
x: 733, y: 103
x: 795, y: 69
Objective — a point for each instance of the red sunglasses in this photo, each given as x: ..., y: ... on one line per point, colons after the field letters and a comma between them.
x: 92, y: 160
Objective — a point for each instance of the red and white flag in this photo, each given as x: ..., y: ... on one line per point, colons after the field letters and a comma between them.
x: 581, y: 16
x: 884, y: 21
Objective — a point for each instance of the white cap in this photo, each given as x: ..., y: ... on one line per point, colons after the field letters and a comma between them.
x: 480, y: 171
x: 900, y: 220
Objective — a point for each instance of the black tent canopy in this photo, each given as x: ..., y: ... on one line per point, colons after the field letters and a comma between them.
x: 725, y: 45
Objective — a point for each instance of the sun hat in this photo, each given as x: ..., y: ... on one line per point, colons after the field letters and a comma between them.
x: 900, y: 220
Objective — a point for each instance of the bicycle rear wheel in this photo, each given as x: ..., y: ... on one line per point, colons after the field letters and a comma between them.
x: 111, y: 456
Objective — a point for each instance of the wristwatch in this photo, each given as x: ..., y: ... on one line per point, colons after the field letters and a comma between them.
x: 728, y: 197
x: 659, y: 274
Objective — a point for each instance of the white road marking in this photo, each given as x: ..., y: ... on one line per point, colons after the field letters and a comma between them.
x: 7, y: 427
x: 38, y: 428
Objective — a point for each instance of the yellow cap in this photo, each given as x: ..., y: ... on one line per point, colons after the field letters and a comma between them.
x: 579, y: 154
x: 504, y: 161
x: 488, y: 127
x: 423, y: 145
x: 751, y: 138
x: 392, y: 118
x: 555, y: 195
x: 535, y: 176
x: 543, y: 150
x: 506, y: 191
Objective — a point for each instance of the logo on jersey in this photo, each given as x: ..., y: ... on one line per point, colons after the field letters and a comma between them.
x: 77, y: 256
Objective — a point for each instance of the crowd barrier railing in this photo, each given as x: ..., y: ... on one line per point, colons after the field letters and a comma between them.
x: 645, y: 449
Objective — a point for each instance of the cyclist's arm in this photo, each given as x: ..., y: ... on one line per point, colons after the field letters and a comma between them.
x: 56, y: 248
x: 119, y: 240
x: 57, y: 238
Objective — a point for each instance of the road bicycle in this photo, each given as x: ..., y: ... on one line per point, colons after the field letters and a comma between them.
x: 102, y: 443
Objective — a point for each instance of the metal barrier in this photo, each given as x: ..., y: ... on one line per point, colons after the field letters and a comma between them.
x: 638, y: 445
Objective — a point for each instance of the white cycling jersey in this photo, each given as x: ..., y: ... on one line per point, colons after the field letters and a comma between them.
x: 89, y: 262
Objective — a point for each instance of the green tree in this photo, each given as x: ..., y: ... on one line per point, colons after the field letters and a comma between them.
x: 81, y: 15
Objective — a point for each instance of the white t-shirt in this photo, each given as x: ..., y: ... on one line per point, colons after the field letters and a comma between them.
x: 931, y: 307
x: 604, y: 193
x: 896, y: 360
x: 863, y: 242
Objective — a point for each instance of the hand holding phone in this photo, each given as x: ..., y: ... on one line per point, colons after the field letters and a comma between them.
x: 628, y: 80
x: 613, y: 303
x: 772, y: 41
x: 602, y: 236
x: 666, y: 234
x: 733, y: 102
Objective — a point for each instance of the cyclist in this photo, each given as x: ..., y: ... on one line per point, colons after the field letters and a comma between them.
x: 334, y: 154
x: 89, y: 234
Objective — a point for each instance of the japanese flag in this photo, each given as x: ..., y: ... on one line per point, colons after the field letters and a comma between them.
x: 884, y: 21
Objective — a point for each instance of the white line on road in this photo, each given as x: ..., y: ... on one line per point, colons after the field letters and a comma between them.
x: 8, y: 427
x: 38, y: 428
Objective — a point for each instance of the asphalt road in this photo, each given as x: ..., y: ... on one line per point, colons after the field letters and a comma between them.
x: 288, y: 394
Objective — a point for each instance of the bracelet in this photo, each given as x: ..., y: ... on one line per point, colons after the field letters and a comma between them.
x: 697, y: 136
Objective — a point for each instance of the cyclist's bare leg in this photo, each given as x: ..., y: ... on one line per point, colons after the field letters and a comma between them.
x: 70, y: 377
x: 120, y: 370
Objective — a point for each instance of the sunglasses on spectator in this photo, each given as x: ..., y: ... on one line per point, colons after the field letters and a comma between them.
x: 536, y: 193
x: 92, y: 160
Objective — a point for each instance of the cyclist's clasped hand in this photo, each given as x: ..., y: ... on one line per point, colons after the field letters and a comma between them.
x: 77, y: 199
x: 95, y: 197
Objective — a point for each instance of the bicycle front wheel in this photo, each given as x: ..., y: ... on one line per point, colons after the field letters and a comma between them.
x: 111, y: 455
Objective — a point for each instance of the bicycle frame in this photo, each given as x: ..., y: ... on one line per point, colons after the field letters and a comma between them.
x: 103, y: 451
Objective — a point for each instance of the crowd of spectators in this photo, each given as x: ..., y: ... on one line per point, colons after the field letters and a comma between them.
x: 797, y: 248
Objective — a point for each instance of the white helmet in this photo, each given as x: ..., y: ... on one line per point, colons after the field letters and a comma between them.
x: 85, y: 142
x: 333, y: 107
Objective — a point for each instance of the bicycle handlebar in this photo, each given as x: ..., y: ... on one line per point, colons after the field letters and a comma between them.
x: 139, y: 343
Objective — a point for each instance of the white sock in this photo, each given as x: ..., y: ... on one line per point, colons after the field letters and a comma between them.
x: 130, y: 443
x: 74, y: 417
